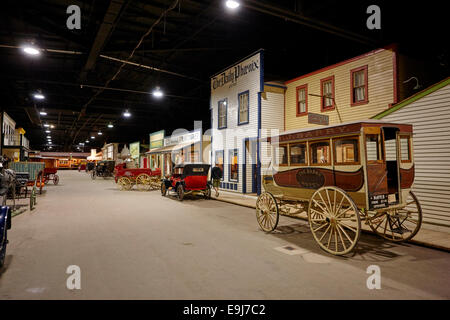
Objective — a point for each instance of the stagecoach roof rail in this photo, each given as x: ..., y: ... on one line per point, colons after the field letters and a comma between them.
x: 367, y: 121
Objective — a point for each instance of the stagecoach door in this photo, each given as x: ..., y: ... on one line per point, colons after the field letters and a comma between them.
x: 382, y: 167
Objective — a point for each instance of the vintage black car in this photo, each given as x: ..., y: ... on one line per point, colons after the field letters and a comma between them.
x: 103, y: 169
x: 191, y: 178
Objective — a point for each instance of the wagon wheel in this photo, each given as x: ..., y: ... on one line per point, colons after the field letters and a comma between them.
x: 334, y: 220
x: 180, y: 192
x: 267, y: 213
x: 399, y: 224
x: 124, y: 183
x: 163, y: 189
x: 55, y: 179
x: 143, y: 182
x: 33, y: 198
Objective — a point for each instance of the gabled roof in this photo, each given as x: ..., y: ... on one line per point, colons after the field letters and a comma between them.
x: 413, y: 98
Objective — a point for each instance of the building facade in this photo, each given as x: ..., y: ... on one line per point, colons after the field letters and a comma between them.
x: 236, y: 107
x: 429, y: 113
x: 351, y: 90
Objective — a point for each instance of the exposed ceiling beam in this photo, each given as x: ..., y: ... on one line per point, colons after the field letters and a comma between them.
x: 111, y: 18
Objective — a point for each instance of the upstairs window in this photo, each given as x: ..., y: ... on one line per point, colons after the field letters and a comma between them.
x: 302, y: 100
x: 222, y: 114
x: 359, y: 86
x: 243, y: 107
x: 327, y: 93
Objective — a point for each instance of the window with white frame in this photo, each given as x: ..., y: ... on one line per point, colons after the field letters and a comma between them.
x: 327, y: 93
x: 243, y: 107
x: 222, y: 114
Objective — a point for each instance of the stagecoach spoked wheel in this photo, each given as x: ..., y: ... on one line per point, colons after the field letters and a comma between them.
x: 143, y: 182
x: 55, y: 179
x: 180, y: 192
x: 124, y: 183
x: 154, y: 182
x: 267, y: 213
x: 399, y: 224
x: 163, y: 189
x: 334, y: 220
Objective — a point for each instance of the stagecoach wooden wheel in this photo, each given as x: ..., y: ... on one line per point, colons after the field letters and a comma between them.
x: 267, y: 213
x: 334, y: 220
x: 124, y: 183
x: 143, y: 182
x: 399, y: 224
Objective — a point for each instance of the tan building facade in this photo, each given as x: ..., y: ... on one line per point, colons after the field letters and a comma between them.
x: 354, y: 89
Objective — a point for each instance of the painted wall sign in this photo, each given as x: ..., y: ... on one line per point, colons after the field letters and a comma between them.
x: 134, y: 150
x: 191, y: 137
x: 310, y: 178
x: 315, y: 118
x: 232, y: 75
x: 157, y: 139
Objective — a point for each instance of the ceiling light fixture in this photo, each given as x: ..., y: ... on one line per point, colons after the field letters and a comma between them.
x: 39, y: 96
x: 127, y: 114
x: 232, y: 4
x: 32, y: 51
x: 48, y: 137
x: 110, y: 125
x: 47, y: 131
x: 87, y: 141
x: 46, y: 125
x: 99, y: 133
x: 43, y: 113
x: 157, y: 93
x: 92, y: 137
x: 52, y: 126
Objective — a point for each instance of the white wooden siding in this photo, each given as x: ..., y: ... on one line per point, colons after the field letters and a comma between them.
x: 238, y: 133
x: 430, y: 117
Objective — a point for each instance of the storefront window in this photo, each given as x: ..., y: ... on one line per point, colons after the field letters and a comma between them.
x: 222, y: 114
x: 243, y: 107
x: 297, y: 153
x: 320, y: 152
x: 346, y: 151
x: 219, y: 160
x: 233, y: 165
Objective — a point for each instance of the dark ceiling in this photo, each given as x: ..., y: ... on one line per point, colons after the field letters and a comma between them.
x: 85, y: 91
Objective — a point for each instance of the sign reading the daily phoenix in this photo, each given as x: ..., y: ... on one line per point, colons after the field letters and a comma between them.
x: 232, y: 75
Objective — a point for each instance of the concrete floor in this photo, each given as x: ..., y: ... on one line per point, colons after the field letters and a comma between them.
x: 139, y: 245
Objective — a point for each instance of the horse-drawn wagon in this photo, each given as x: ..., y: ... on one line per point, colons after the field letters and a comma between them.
x: 342, y: 175
x: 145, y: 179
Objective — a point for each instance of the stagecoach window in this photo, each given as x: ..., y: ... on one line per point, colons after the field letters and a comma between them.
x: 346, y: 151
x: 233, y: 165
x: 405, y: 148
x: 373, y: 148
x: 297, y: 153
x: 320, y: 152
x: 281, y: 155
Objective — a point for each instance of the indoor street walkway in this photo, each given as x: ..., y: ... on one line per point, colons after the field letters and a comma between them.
x: 139, y: 245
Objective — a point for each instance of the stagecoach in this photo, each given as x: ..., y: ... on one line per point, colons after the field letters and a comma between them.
x: 145, y: 179
x: 341, y: 176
